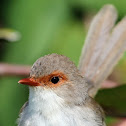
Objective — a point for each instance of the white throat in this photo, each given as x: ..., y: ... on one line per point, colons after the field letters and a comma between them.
x: 45, y: 108
x: 44, y: 100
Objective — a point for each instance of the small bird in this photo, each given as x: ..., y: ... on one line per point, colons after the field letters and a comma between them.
x: 60, y: 94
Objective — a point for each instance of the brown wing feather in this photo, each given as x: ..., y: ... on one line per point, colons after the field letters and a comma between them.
x: 103, y: 48
x: 91, y: 103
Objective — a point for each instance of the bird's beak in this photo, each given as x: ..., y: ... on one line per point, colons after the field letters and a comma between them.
x: 29, y: 81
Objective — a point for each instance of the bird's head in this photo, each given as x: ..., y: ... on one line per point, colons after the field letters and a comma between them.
x: 58, y: 74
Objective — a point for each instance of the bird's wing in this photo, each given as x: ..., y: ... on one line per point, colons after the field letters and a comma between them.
x: 97, y: 110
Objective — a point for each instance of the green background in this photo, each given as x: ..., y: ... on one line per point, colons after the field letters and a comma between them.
x: 46, y: 27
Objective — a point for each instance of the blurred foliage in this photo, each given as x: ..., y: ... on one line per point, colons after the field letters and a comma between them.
x: 113, y: 101
x: 46, y: 27
x: 9, y: 34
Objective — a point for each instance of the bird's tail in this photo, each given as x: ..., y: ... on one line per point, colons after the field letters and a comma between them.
x: 103, y: 48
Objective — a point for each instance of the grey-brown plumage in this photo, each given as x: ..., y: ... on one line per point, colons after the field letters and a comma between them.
x: 73, y: 92
x: 104, y: 46
x: 60, y: 93
x: 76, y: 86
x: 49, y: 63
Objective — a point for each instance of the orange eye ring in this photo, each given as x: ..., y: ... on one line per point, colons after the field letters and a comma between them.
x: 54, y: 79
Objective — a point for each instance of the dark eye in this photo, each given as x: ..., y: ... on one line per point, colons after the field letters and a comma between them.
x: 55, y: 80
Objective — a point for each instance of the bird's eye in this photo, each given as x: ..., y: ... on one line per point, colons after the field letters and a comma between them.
x: 55, y: 80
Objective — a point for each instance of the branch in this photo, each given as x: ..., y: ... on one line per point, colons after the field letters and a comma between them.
x: 13, y: 70
x: 121, y: 122
x: 109, y: 84
x: 23, y: 70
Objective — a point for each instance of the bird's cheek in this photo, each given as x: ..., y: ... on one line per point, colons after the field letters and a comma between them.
x: 29, y: 81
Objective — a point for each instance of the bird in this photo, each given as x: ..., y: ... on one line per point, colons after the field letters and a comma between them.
x: 61, y: 94
x: 58, y: 95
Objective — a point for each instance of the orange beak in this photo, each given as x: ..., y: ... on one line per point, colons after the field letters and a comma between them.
x: 28, y: 81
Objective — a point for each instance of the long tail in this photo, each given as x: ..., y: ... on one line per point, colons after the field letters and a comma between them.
x: 103, y: 47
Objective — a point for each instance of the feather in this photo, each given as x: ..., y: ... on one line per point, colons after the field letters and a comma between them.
x: 103, y: 47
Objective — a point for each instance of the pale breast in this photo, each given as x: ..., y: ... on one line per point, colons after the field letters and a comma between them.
x: 65, y: 117
x: 50, y: 110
